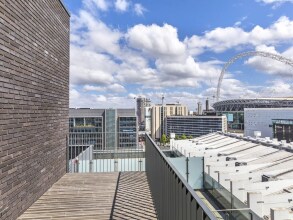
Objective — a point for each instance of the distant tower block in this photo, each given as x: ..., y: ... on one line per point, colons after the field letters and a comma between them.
x: 199, y: 108
x: 207, y: 105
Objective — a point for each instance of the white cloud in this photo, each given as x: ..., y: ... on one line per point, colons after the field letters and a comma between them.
x: 222, y: 39
x: 100, y: 4
x: 272, y: 66
x: 238, y: 23
x: 88, y: 67
x: 152, y: 57
x: 100, y: 98
x: 275, y: 1
x: 116, y: 88
x: 156, y: 41
x: 121, y: 5
x: 139, y: 9
x: 277, y: 88
x: 94, y: 34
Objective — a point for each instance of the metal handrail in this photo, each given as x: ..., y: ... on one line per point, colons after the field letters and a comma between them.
x: 199, y: 201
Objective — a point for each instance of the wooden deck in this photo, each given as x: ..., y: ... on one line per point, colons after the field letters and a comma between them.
x: 95, y: 196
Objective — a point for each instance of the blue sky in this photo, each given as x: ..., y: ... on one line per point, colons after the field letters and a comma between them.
x: 122, y: 49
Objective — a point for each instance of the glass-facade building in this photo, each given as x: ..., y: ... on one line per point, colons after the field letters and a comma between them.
x: 104, y: 129
x: 195, y: 125
x: 127, y: 135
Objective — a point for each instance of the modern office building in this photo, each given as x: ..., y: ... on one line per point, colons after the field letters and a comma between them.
x: 104, y: 129
x: 195, y: 125
x: 141, y: 103
x: 283, y: 129
x: 234, y: 109
x: 261, y: 119
x: 159, y: 114
x: 34, y: 100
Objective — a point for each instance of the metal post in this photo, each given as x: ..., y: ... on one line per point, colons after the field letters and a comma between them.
x: 187, y: 169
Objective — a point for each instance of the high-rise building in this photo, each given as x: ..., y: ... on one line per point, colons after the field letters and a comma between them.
x: 148, y: 119
x: 159, y: 114
x: 207, y: 105
x: 104, y: 129
x: 199, y: 108
x: 34, y: 100
x: 195, y: 125
x: 141, y: 103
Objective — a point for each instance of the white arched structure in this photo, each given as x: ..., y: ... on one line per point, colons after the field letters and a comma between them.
x: 246, y: 54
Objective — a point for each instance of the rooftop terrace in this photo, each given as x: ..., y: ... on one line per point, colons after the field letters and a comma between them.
x: 114, y: 195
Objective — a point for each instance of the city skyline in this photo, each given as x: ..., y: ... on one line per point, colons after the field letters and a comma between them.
x: 122, y: 49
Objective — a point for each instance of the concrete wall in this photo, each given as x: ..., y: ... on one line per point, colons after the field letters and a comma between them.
x: 260, y: 119
x: 34, y: 79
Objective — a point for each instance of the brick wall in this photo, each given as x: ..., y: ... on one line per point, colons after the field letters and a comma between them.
x: 34, y: 78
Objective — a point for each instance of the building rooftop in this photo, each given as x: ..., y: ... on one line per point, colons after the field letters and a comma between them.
x: 258, y: 171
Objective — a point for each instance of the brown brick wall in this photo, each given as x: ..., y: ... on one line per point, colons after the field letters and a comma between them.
x: 34, y: 79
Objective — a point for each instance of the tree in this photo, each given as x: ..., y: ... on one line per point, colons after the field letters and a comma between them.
x: 163, y: 139
x: 177, y: 137
x: 189, y: 137
x: 168, y: 139
x: 183, y: 137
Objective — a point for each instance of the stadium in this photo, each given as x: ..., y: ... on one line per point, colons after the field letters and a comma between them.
x: 234, y: 108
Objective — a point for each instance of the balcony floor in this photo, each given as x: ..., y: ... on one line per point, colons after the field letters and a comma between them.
x: 124, y: 195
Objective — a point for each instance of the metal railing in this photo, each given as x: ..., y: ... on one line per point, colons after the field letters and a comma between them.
x: 231, y: 207
x: 173, y: 196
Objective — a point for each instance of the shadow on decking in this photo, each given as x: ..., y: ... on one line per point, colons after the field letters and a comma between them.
x: 89, y: 196
x: 133, y: 197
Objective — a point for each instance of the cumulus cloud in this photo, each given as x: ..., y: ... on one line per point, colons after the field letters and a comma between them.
x: 90, y: 67
x: 272, y: 67
x: 107, y: 63
x: 156, y: 41
x: 221, y: 39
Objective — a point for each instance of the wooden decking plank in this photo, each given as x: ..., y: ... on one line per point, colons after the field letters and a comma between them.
x: 90, y: 196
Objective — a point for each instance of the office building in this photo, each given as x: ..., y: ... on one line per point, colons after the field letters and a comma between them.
x: 34, y: 79
x: 261, y: 119
x: 195, y: 125
x: 159, y: 114
x: 104, y: 129
x: 283, y: 129
x: 141, y: 103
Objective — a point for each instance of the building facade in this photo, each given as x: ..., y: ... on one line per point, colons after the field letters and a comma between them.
x: 159, y: 114
x: 283, y: 129
x: 148, y: 119
x: 104, y: 129
x: 261, y: 119
x: 34, y: 101
x: 195, y: 125
x: 141, y: 103
x: 234, y: 109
